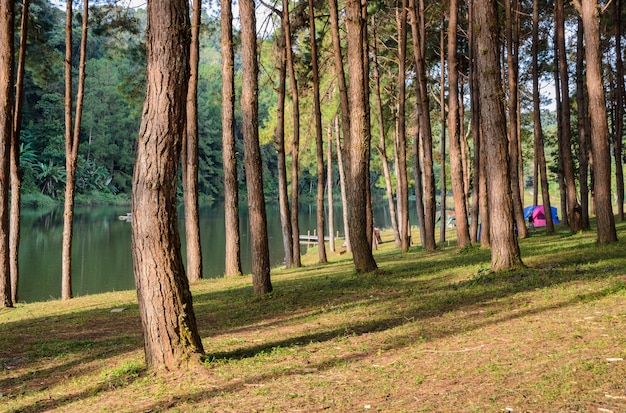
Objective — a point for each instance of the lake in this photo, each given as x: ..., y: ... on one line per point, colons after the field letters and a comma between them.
x: 101, y: 254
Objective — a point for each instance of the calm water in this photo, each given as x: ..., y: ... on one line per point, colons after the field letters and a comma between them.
x: 101, y: 254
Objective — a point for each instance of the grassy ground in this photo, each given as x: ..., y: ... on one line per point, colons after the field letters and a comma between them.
x: 431, y: 332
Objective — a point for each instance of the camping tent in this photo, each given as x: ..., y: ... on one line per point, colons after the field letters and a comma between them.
x: 536, y: 215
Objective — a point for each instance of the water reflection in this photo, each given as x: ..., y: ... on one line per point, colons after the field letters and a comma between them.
x: 101, y: 254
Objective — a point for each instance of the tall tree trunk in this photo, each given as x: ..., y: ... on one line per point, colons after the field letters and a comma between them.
x: 505, y: 253
x: 540, y: 158
x: 403, y: 185
x: 514, y: 144
x: 589, y: 11
x: 252, y: 152
x: 456, y: 164
x: 485, y: 217
x: 319, y: 143
x: 16, y: 181
x: 583, y: 131
x: 382, y: 147
x: 169, y: 325
x: 329, y: 183
x: 442, y: 151
x: 342, y: 183
x: 426, y: 139
x: 295, y: 143
x: 465, y: 149
x: 475, y: 128
x: 573, y: 208
x: 7, y: 16
x: 229, y: 158
x: 619, y: 112
x: 283, y: 196
x: 356, y: 144
x: 72, y: 134
x: 189, y: 154
x: 559, y: 118
x: 369, y: 212
x: 418, y: 181
x: 345, y: 107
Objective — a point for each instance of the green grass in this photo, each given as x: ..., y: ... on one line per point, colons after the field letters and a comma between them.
x: 429, y: 332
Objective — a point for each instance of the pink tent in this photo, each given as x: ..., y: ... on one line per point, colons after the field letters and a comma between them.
x: 539, y: 218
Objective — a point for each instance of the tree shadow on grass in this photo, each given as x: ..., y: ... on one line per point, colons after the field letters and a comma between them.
x: 421, y: 283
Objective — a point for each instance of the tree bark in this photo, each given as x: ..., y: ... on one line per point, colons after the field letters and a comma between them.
x: 426, y: 140
x: 295, y: 143
x: 252, y: 152
x: 7, y: 16
x: 456, y: 164
x: 382, y: 147
x: 619, y: 112
x: 16, y: 181
x: 72, y: 134
x: 329, y: 183
x: 583, y: 132
x: 505, y: 253
x: 319, y: 143
x: 189, y: 154
x: 475, y: 212
x: 283, y: 197
x: 165, y: 303
x: 229, y: 158
x: 540, y: 158
x: 403, y: 185
x: 589, y: 11
x: 442, y: 148
x: 559, y: 117
x: 514, y: 143
x: 342, y: 183
x: 356, y: 144
x: 573, y: 208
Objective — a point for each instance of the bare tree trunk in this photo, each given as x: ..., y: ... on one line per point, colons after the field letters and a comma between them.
x: 283, y: 196
x: 169, y: 326
x: 7, y: 16
x: 583, y: 132
x: 72, y: 134
x: 619, y: 112
x: 418, y: 182
x: 345, y: 108
x: 560, y: 173
x: 573, y: 208
x: 465, y: 149
x: 252, y: 152
x: 295, y: 143
x: 442, y: 150
x: 229, y: 158
x: 319, y: 144
x: 329, y: 181
x: 540, y: 158
x: 505, y: 253
x: 456, y: 164
x: 369, y: 213
x: 342, y: 182
x: 428, y: 240
x: 382, y: 148
x: 403, y: 185
x: 189, y: 155
x: 514, y: 144
x: 589, y: 11
x: 16, y: 181
x: 475, y: 127
x: 485, y: 217
x: 356, y: 143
